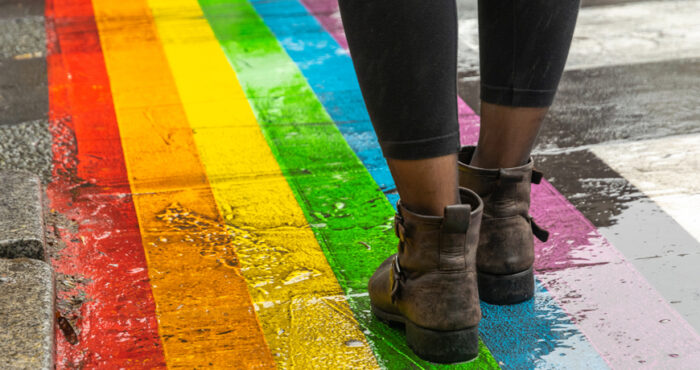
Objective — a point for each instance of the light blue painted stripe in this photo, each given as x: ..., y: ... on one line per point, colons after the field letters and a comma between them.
x: 329, y: 70
x: 534, y: 334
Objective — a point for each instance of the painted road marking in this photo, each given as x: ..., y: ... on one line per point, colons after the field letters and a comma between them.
x: 631, y: 33
x: 305, y: 317
x: 666, y: 170
x: 602, y: 291
x: 511, y: 333
x: 649, y: 238
x: 117, y: 323
x: 563, y: 282
x: 348, y: 213
x: 206, y: 316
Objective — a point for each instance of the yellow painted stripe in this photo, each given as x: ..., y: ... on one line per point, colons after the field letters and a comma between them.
x: 305, y: 317
x: 205, y: 313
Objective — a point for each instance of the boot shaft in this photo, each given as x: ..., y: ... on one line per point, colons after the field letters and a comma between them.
x: 431, y: 243
x: 506, y: 244
x: 431, y: 281
x: 505, y: 191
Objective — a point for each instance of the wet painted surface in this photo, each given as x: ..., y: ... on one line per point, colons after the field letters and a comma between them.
x: 292, y: 285
x: 580, y: 227
x: 348, y: 213
x: 212, y: 213
x: 665, y: 170
x: 108, y: 299
x: 205, y: 314
x: 648, y: 236
x: 329, y: 71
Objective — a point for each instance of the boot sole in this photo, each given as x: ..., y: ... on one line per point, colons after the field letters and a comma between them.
x: 506, y: 289
x: 434, y: 345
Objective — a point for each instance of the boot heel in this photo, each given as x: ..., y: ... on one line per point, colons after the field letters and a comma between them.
x: 443, y: 346
x: 506, y: 289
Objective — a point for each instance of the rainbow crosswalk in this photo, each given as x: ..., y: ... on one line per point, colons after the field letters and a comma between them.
x: 242, y: 203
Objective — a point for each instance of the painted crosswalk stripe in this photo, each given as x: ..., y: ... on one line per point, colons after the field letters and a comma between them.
x: 666, y: 170
x: 554, y: 262
x: 117, y: 323
x: 348, y: 213
x: 205, y: 314
x: 510, y: 332
x: 304, y: 314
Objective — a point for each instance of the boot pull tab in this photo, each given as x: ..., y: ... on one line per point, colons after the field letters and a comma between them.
x: 539, y: 232
x: 536, y: 176
x: 457, y: 218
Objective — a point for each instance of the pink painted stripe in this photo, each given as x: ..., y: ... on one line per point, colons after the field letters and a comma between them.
x: 623, y: 316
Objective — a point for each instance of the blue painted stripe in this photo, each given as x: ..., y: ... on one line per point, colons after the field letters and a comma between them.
x: 533, y: 334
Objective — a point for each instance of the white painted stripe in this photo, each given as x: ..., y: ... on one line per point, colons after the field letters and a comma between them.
x: 667, y: 170
x: 615, y: 35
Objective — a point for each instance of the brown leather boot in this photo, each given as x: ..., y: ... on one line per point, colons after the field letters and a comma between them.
x: 506, y: 246
x: 430, y: 284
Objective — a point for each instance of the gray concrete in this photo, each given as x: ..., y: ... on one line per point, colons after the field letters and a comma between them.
x: 22, y: 38
x: 21, y: 8
x: 23, y: 90
x: 22, y: 229
x: 27, y: 146
x: 26, y: 314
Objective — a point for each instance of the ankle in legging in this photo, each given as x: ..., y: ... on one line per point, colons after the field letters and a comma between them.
x: 405, y: 57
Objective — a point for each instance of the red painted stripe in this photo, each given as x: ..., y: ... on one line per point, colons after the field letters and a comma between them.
x: 117, y: 324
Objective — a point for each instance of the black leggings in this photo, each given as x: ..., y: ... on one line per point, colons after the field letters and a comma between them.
x: 405, y: 57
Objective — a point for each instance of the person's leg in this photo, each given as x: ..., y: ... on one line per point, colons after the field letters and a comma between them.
x: 426, y: 186
x: 524, y: 45
x: 507, y: 135
x: 523, y: 48
x: 405, y: 56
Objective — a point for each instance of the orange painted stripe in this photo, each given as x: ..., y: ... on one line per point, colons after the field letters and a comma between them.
x: 205, y: 313
x: 304, y: 314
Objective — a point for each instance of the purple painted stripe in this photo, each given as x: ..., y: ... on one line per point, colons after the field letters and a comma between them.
x: 623, y: 317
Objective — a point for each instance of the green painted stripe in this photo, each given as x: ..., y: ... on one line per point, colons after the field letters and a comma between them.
x: 349, y: 214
